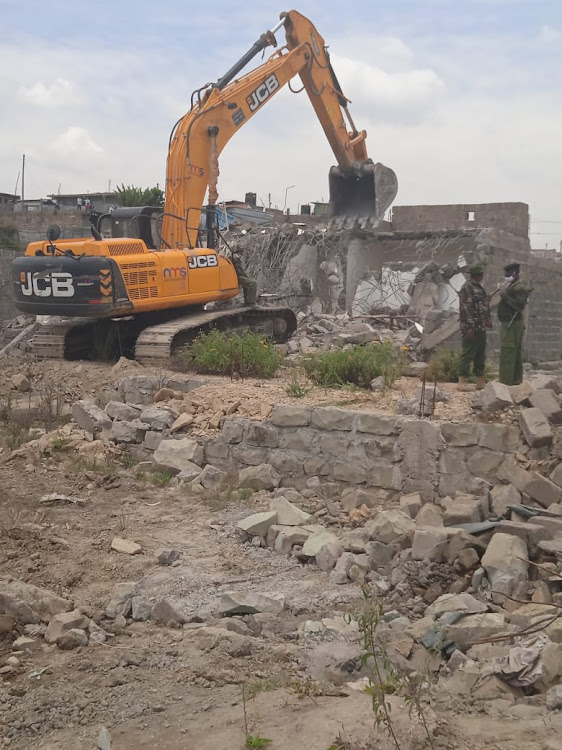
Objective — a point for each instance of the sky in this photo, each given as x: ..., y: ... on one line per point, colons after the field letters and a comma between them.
x: 461, y: 99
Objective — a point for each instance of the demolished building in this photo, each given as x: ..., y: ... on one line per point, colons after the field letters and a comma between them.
x: 411, y: 267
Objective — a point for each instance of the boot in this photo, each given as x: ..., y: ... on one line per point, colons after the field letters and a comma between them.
x: 480, y: 382
x: 463, y: 385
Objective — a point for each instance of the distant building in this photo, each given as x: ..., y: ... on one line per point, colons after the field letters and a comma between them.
x: 100, y: 201
x: 8, y: 199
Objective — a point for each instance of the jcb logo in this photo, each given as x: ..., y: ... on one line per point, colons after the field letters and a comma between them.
x: 263, y: 92
x: 56, y: 284
x: 203, y: 261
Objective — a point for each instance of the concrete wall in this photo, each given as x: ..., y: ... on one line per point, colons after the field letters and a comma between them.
x: 372, y: 449
x: 511, y: 217
x: 32, y: 226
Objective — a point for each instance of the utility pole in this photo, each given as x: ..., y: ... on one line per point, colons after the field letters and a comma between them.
x: 23, y: 179
x: 269, y: 200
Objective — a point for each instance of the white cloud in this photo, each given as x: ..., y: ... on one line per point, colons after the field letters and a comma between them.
x: 550, y: 34
x: 403, y: 96
x: 75, y: 142
x: 57, y: 94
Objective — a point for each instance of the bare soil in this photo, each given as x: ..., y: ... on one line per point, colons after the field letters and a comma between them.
x: 173, y: 688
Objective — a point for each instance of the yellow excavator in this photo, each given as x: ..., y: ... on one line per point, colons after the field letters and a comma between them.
x: 140, y: 287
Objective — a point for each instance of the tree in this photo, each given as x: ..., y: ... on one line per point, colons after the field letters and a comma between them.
x: 134, y: 196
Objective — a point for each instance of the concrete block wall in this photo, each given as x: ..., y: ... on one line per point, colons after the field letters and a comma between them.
x: 371, y: 449
x: 7, y: 309
x: 511, y: 217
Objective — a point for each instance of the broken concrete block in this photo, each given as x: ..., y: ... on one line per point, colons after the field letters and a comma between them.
x: 290, y: 416
x: 556, y: 475
x: 126, y: 546
x: 250, y: 603
x: 141, y: 609
x: 546, y: 402
x: 189, y: 473
x: 261, y: 477
x: 123, y: 412
x: 29, y: 604
x: 430, y: 544
x: 159, y: 418
x: 498, y: 437
x: 258, y: 524
x: 460, y: 434
x: 211, y: 477
x: 21, y: 383
x: 552, y: 526
x: 543, y: 490
x: 429, y: 515
x: 332, y: 418
x: 126, y: 432
x: 485, y: 463
x: 175, y: 455
x: 554, y: 698
x: 390, y: 525
x: 183, y: 422
x: 505, y: 563
x: 521, y: 393
x: 287, y: 537
x: 456, y: 603
x: 90, y: 417
x: 120, y: 603
x: 495, y: 397
x: 379, y: 554
x: 74, y: 638
x: 502, y: 496
x: 167, y: 555
x: 411, y: 504
x: 287, y: 513
x: 316, y: 541
x: 463, y: 509
x: 535, y: 428
x: 328, y: 555
x: 165, y: 613
x: 477, y: 627
x: 60, y: 624
x: 541, y: 380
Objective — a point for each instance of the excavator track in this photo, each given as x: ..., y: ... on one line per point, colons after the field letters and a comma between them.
x: 71, y: 338
x: 157, y: 344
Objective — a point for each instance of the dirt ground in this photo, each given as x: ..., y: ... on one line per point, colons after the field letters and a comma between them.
x: 173, y: 688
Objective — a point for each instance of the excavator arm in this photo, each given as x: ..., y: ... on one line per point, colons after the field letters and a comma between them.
x: 219, y: 110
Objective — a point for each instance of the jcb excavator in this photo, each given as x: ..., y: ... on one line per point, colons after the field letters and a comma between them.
x: 151, y: 301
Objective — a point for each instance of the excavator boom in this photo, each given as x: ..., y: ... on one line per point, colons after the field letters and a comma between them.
x: 358, y: 187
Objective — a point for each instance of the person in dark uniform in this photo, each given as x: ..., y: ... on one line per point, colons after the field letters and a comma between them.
x: 513, y: 299
x: 475, y: 321
x: 248, y: 285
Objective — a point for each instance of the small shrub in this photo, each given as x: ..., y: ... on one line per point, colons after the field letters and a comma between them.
x: 357, y: 365
x: 247, y: 354
x: 61, y: 444
x: 443, y: 366
x: 161, y: 479
x: 295, y: 389
x: 255, y: 742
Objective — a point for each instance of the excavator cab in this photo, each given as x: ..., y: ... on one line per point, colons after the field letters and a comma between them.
x: 363, y: 193
x: 141, y: 223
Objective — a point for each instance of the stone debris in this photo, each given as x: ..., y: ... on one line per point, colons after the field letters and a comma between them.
x: 126, y: 546
x: 262, y: 477
x: 250, y: 603
x: 167, y: 555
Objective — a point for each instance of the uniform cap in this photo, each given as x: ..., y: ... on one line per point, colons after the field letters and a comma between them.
x: 514, y: 266
x: 476, y: 269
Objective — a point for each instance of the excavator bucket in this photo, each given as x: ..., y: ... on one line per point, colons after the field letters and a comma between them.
x: 364, y: 193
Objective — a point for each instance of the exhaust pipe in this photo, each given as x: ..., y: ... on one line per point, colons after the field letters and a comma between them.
x: 365, y: 192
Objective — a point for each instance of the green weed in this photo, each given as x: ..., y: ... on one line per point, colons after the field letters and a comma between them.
x: 295, y: 389
x: 61, y: 444
x: 255, y: 742
x: 245, y: 355
x: 161, y: 478
x: 443, y: 366
x: 356, y: 365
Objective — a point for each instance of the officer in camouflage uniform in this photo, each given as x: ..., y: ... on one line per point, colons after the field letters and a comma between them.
x: 513, y: 298
x: 249, y: 286
x: 474, y: 312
